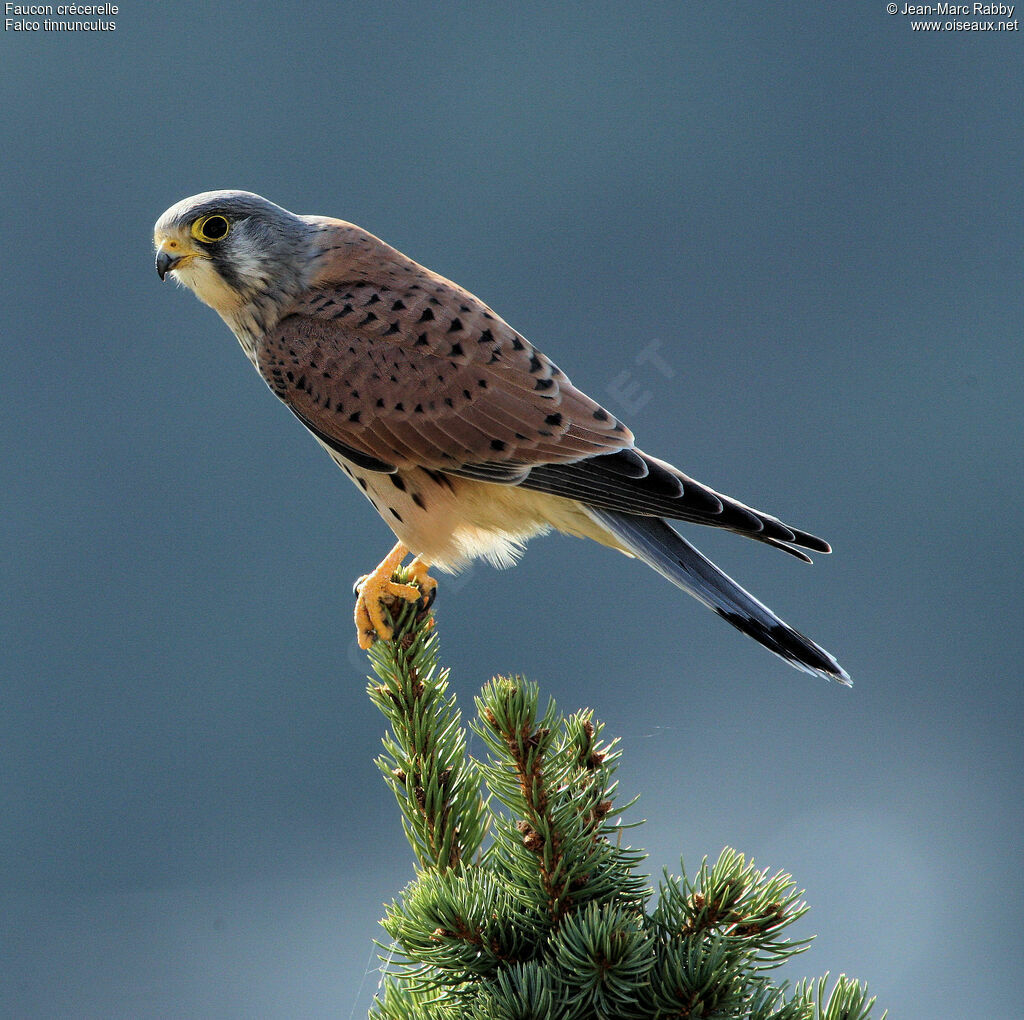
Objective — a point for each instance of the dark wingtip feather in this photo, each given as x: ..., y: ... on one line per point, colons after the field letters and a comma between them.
x: 662, y: 482
x: 798, y: 553
x: 632, y: 481
x: 701, y: 498
x: 809, y: 541
x: 627, y: 462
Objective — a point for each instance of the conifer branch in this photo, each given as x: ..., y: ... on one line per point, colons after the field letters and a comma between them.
x: 426, y: 765
x: 550, y: 919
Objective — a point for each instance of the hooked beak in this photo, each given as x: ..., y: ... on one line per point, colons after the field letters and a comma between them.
x: 166, y: 262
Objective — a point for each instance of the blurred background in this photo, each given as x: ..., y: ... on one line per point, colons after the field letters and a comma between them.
x: 784, y: 242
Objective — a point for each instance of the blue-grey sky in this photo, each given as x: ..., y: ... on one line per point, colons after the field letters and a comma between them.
x: 784, y: 242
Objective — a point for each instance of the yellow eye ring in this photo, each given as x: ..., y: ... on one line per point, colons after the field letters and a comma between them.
x: 211, y: 228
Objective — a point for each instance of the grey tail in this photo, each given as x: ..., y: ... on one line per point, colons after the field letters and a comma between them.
x: 652, y: 540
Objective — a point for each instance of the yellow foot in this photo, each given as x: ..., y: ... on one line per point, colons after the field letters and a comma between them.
x: 373, y: 588
x: 417, y: 571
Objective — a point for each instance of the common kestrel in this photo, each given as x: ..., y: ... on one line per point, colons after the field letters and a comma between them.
x: 467, y: 440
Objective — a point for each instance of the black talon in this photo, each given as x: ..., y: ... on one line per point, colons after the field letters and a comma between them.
x: 427, y: 598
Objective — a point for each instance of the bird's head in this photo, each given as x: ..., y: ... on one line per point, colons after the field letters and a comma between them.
x: 233, y: 249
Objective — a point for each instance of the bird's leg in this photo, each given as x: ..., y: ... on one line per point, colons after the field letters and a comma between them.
x: 370, y: 621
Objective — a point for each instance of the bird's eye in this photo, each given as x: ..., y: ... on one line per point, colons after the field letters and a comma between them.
x: 210, y: 228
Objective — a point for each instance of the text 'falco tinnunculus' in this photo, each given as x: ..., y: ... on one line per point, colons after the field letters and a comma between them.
x: 467, y: 440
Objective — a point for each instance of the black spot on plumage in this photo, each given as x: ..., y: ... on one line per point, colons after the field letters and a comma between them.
x: 544, y: 384
x: 354, y: 417
x: 536, y: 365
x: 455, y: 326
x: 418, y: 409
x: 373, y: 300
x: 467, y: 394
x: 448, y: 401
x: 440, y: 479
x: 326, y: 375
x: 328, y: 303
x: 486, y: 337
x: 370, y: 317
x: 482, y: 383
x: 600, y: 415
x: 427, y: 316
x: 362, y: 483
x: 498, y: 445
x: 394, y: 513
x: 456, y: 351
x: 392, y: 329
x: 493, y: 358
x: 347, y: 310
x: 399, y: 406
x: 398, y: 306
x: 301, y: 382
x: 554, y: 419
x: 517, y: 344
x: 290, y: 376
x: 398, y: 482
x: 463, y: 308
x: 421, y: 340
x: 418, y: 501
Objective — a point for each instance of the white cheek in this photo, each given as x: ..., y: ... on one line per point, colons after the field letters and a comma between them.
x: 204, y: 281
x: 249, y: 269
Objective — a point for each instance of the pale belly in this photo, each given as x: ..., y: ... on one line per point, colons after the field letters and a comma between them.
x: 449, y: 521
